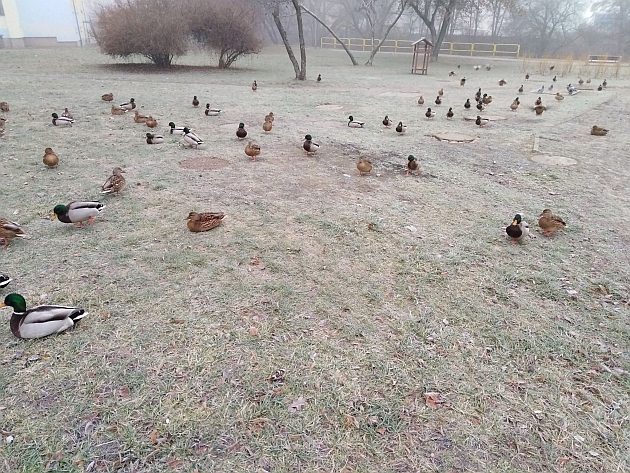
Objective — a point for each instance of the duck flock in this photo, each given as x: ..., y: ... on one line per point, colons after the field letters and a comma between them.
x: 46, y: 320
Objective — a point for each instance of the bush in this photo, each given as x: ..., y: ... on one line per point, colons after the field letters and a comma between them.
x: 227, y: 27
x: 155, y: 29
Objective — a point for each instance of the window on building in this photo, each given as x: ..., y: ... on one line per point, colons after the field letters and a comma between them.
x: 1, y: 9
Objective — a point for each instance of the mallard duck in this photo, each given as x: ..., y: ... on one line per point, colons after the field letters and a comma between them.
x: 129, y: 105
x: 598, y: 131
x: 438, y: 100
x: 154, y: 139
x: 4, y: 107
x: 364, y: 166
x: 352, y: 123
x: 550, y: 223
x: 10, y: 230
x: 2, y: 122
x: 61, y: 121
x: 429, y: 113
x: 481, y: 121
x: 538, y: 101
x: 212, y: 112
x: 559, y: 96
x: 541, y: 90
x: 479, y: 106
x: 588, y: 81
x: 151, y: 122
x: 204, y: 221
x: 518, y: 229
x: 527, y: 76
x: 252, y: 150
x: 267, y: 126
x: 319, y: 77
x: 195, y: 102
x: 138, y: 118
x: 478, y: 95
x: 412, y: 164
x: 581, y: 81
x: 401, y: 129
x: 190, y: 139
x: 467, y: 104
x: 550, y: 89
x: 118, y: 111
x: 605, y: 83
x: 270, y: 117
x: 487, y: 99
x: 50, y: 158
x: 176, y: 130
x: 462, y: 81
x: 521, y: 89
x: 77, y: 212
x: 66, y: 113
x: 539, y: 109
x: 476, y: 68
x: 551, y: 68
x: 114, y: 183
x: 42, y: 320
x: 309, y: 145
x: 450, y: 114
x: 4, y: 280
x: 107, y: 97
x: 421, y: 100
x: 502, y: 83
x: 254, y: 86
x: 441, y: 92
x: 488, y: 67
x: 514, y: 106
x: 387, y: 122
x: 451, y: 74
x: 241, y: 132
x: 600, y: 88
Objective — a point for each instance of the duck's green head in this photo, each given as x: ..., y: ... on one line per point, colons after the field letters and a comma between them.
x: 54, y: 115
x: 308, y: 137
x: 241, y: 125
x: 517, y: 219
x: 411, y: 157
x: 16, y: 301
x: 60, y: 209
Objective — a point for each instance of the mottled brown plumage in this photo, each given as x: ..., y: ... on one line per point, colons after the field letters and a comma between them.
x: 114, y: 183
x: 151, y: 122
x: 364, y: 166
x: 598, y: 131
x: 550, y: 223
x: 10, y: 230
x: 204, y: 221
x: 252, y: 150
x: 107, y: 97
x: 50, y: 158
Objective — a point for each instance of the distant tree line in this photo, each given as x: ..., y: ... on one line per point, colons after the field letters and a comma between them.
x: 161, y: 30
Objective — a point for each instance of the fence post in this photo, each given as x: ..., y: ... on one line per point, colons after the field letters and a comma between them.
x: 494, y: 49
x: 472, y: 48
x: 450, y: 48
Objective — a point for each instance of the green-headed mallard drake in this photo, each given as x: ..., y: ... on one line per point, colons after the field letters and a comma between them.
x: 77, y: 212
x: 42, y: 320
x: 502, y: 83
x: 527, y: 76
x: 252, y: 150
x: 129, y: 105
x: 481, y: 121
x: 600, y: 88
x: 352, y: 123
x: 241, y: 132
x: 212, y: 112
x: 204, y: 221
x: 61, y: 121
x: 50, y: 158
x: 538, y: 101
x: 254, y: 86
x: 550, y: 223
x: 139, y: 118
x: 518, y: 229
x: 479, y: 106
x: 421, y: 100
x: 195, y: 101
x: 309, y: 145
x: 521, y: 89
x: 598, y: 131
x: 462, y: 81
x: 401, y: 129
x: 66, y: 113
x: 412, y: 164
x: 4, y: 107
x: 467, y: 104
x: 555, y: 78
x: 605, y: 83
x: 10, y: 230
x: 114, y: 183
x: 429, y: 113
x: 364, y: 166
x: 387, y: 122
x: 319, y: 77
x: 176, y: 130
x: 4, y: 280
x: 450, y: 114
x: 438, y: 100
x: 154, y: 139
x: 190, y: 139
x: 107, y: 97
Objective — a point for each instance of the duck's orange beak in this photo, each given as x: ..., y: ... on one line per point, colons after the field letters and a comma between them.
x: 2, y: 304
x: 53, y: 216
x: 514, y: 222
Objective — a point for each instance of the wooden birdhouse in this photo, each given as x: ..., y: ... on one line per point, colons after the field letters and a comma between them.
x: 421, y: 56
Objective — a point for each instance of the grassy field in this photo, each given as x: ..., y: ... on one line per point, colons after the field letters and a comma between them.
x: 369, y: 292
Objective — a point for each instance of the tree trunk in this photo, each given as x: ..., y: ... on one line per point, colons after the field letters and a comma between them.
x: 300, y: 26
x: 446, y: 20
x: 285, y: 40
x: 375, y: 50
x: 306, y: 10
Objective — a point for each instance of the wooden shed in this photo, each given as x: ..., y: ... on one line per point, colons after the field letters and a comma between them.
x: 421, y: 56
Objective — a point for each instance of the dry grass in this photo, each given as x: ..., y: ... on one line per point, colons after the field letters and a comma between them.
x: 368, y: 292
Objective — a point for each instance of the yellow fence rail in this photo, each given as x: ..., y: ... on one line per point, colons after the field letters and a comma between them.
x: 405, y: 46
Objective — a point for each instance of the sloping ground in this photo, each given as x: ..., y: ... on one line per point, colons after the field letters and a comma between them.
x: 305, y: 333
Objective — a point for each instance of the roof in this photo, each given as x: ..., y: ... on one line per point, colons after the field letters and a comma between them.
x: 422, y: 40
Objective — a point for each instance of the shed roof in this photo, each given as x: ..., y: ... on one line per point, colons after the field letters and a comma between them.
x: 422, y: 40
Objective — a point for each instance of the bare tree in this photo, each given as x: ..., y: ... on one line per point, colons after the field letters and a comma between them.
x: 278, y: 8
x: 377, y: 47
x: 437, y: 16
x: 307, y: 11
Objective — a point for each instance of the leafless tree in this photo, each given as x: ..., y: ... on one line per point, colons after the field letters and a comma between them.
x: 330, y: 30
x: 377, y: 47
x: 437, y: 16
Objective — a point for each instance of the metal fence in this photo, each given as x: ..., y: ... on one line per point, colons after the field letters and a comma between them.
x: 405, y: 46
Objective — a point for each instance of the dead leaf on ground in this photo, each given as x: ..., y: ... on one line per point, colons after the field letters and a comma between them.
x: 256, y: 263
x: 258, y: 425
x: 433, y: 400
x: 175, y: 463
x: 173, y: 320
x: 124, y: 392
x: 297, y: 405
x: 350, y: 421
x: 153, y: 437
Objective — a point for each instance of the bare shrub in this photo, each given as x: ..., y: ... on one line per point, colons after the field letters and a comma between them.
x: 155, y: 29
x: 228, y: 27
